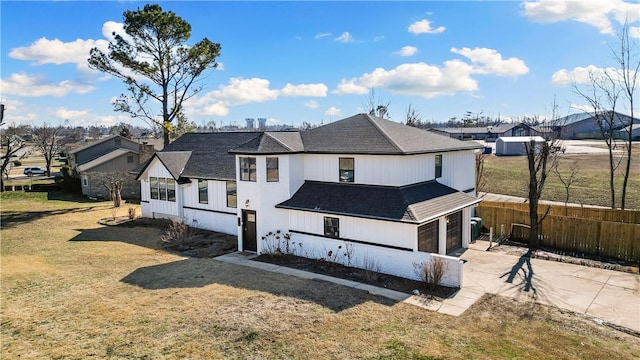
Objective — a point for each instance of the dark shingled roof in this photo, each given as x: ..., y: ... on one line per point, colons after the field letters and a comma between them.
x: 415, y: 203
x: 366, y: 134
x: 202, y: 155
x: 272, y: 143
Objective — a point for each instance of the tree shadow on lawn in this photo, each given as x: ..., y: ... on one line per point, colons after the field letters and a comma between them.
x: 145, y: 236
x: 16, y: 218
x: 192, y: 272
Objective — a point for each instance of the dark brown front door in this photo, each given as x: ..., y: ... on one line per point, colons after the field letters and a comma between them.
x: 249, y: 239
x: 454, y: 231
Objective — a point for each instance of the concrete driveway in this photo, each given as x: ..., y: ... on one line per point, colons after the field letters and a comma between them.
x: 609, y: 295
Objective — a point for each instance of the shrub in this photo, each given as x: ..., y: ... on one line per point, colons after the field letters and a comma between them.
x: 430, y: 273
x: 132, y: 213
x: 278, y: 243
x: 371, y: 267
x: 17, y: 162
x: 178, y: 236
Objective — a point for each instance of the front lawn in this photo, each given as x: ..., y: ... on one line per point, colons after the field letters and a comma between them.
x: 72, y: 288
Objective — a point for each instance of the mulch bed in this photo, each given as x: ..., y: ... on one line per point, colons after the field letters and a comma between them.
x: 320, y: 266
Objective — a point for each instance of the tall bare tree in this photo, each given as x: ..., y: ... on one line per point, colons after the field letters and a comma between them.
x: 376, y: 106
x: 49, y: 141
x: 413, y: 117
x: 567, y: 178
x: 154, y: 61
x: 541, y: 159
x: 11, y: 143
x: 606, y: 88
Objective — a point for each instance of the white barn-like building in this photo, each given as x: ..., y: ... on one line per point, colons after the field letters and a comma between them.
x: 386, y: 192
x: 516, y: 145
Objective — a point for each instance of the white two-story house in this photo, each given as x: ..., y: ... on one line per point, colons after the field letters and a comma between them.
x: 358, y: 191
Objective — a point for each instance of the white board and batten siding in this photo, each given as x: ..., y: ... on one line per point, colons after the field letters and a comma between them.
x: 399, y: 262
x: 396, y: 170
x: 214, y: 215
x: 159, y: 208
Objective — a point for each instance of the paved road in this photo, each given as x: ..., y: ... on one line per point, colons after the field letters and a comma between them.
x: 609, y: 295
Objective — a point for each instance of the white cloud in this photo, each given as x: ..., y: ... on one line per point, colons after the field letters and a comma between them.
x: 217, y: 109
x: 23, y: 84
x: 311, y: 104
x: 491, y: 62
x: 333, y: 111
x: 424, y: 27
x: 596, y: 13
x: 45, y: 51
x: 350, y: 87
x: 634, y: 32
x: 344, y: 38
x: 407, y: 51
x: 582, y: 107
x: 585, y: 75
x: 321, y: 35
x: 220, y: 66
x: 317, y: 90
x: 71, y: 115
x: 431, y: 81
x: 242, y: 91
x: 378, y: 38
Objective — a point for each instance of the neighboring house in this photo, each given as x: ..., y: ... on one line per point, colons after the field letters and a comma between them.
x: 516, y: 145
x: 584, y: 125
x: 359, y: 191
x: 489, y: 133
x: 106, y: 160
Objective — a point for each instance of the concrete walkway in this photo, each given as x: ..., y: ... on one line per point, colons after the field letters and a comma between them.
x: 604, y: 294
x: 611, y: 296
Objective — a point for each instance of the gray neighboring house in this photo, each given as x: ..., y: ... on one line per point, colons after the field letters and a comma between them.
x: 488, y: 133
x: 584, y: 126
x: 108, y: 159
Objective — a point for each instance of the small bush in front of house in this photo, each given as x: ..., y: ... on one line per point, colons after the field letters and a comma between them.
x: 17, y: 163
x: 430, y: 273
x: 178, y: 236
x: 278, y: 243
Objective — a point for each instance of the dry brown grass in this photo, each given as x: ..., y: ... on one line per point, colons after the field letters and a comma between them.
x: 509, y: 175
x: 72, y: 288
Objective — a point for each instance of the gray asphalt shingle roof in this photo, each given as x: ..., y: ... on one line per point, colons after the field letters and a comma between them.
x: 415, y: 203
x: 358, y: 134
x: 104, y: 159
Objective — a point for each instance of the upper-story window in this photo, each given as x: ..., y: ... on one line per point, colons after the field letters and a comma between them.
x: 248, y: 169
x: 438, y: 166
x: 346, y: 169
x: 203, y: 191
x: 129, y: 159
x: 272, y: 169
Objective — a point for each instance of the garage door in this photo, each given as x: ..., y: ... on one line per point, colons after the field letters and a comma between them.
x: 454, y: 231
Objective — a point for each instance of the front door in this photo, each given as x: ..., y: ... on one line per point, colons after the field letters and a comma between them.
x: 249, y: 239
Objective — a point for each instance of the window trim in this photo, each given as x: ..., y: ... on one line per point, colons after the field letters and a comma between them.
x: 245, y: 165
x: 166, y: 194
x: 273, y: 159
x: 331, y: 229
x: 351, y: 178
x: 203, y: 192
x: 438, y: 166
x: 233, y: 195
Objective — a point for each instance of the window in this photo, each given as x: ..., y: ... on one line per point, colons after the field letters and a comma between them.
x: 232, y: 195
x: 171, y: 190
x: 346, y: 169
x: 162, y: 188
x: 428, y: 235
x: 129, y: 159
x: 153, y: 184
x: 331, y: 227
x: 85, y: 181
x: 438, y: 166
x: 203, y: 191
x: 248, y: 169
x: 272, y: 169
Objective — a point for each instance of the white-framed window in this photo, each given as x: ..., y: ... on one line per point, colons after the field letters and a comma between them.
x: 272, y: 169
x: 346, y: 169
x: 232, y: 194
x: 203, y: 191
x: 331, y: 227
x: 248, y: 169
x: 162, y: 189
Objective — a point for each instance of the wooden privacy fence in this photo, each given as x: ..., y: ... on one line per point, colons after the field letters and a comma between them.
x: 603, y: 237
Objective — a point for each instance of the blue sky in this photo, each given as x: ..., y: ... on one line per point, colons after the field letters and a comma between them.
x: 316, y: 61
